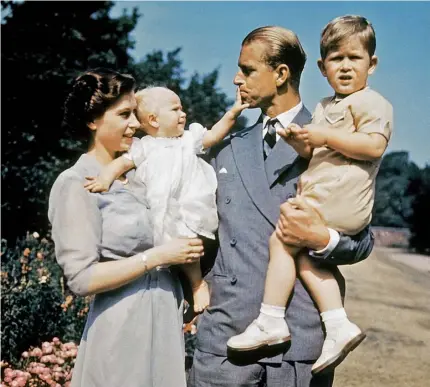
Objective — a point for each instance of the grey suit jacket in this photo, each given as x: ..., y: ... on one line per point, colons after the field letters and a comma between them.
x: 248, y: 197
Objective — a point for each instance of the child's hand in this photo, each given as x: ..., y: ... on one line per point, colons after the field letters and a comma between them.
x: 95, y: 184
x: 297, y: 137
x: 238, y: 106
x: 317, y: 135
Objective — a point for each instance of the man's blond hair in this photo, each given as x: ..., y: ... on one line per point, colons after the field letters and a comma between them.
x: 282, y: 47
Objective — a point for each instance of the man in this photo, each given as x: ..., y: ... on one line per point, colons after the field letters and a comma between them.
x: 257, y: 172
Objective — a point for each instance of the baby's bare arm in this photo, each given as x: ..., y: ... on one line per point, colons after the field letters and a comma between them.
x: 224, y: 125
x: 108, y: 174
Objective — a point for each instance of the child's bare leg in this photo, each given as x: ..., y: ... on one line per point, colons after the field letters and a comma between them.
x: 342, y: 336
x: 281, y: 273
x: 199, y: 286
x: 320, y: 282
x: 270, y: 326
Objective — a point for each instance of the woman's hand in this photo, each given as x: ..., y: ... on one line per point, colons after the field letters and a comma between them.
x: 96, y: 184
x: 179, y: 251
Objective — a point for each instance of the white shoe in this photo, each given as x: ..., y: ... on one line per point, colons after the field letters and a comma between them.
x: 337, y: 346
x: 257, y: 336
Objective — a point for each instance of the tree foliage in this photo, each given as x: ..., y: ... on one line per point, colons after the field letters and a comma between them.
x: 419, y: 223
x: 393, y: 201
x: 44, y: 47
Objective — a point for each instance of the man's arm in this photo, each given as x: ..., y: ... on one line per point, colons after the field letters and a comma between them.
x: 300, y: 225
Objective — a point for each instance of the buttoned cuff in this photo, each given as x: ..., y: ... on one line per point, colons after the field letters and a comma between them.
x: 326, y: 251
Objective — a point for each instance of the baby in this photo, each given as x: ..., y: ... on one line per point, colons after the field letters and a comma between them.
x: 346, y: 140
x: 180, y: 186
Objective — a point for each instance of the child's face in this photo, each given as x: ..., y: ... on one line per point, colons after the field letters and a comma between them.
x: 348, y: 67
x: 170, y: 117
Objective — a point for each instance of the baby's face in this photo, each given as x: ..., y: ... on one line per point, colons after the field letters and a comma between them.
x: 348, y: 67
x: 170, y: 116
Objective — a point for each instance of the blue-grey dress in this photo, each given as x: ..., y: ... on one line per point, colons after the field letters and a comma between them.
x: 133, y: 335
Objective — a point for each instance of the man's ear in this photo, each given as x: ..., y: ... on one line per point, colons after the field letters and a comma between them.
x: 373, y: 64
x: 282, y: 74
x: 153, y: 120
x: 321, y: 66
x: 92, y: 125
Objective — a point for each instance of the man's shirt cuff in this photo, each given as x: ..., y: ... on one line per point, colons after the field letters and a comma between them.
x: 326, y: 251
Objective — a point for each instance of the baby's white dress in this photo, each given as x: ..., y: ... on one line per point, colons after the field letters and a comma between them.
x: 180, y: 187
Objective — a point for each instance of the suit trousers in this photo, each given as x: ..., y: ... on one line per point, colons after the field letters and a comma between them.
x: 210, y: 370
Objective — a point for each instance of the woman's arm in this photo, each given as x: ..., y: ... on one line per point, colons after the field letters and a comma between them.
x: 224, y: 125
x: 114, y: 274
x: 108, y: 174
x: 76, y: 231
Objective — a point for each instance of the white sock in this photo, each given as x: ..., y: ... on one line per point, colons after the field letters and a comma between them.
x: 334, y: 319
x: 271, y: 316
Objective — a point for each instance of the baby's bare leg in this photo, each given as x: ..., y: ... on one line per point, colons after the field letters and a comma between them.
x: 281, y: 272
x: 320, y: 282
x: 199, y: 286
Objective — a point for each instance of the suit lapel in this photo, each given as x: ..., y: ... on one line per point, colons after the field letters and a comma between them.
x: 283, y: 155
x: 247, y: 148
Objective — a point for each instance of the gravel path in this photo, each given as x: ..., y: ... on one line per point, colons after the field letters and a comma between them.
x: 388, y: 295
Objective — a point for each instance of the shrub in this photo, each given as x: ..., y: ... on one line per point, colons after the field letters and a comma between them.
x: 36, y: 304
x: 50, y: 365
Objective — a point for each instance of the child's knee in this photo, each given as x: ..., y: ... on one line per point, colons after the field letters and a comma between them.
x: 274, y: 241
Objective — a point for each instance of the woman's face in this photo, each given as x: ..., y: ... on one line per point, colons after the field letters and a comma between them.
x: 115, y: 128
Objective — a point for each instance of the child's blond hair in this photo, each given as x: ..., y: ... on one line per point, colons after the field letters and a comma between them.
x: 344, y: 27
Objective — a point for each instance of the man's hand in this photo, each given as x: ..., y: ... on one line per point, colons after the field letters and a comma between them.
x: 316, y: 135
x: 297, y: 137
x: 300, y: 225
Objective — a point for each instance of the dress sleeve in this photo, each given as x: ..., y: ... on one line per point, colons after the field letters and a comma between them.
x: 136, y: 152
x: 76, y: 230
x: 373, y: 114
x: 196, y: 133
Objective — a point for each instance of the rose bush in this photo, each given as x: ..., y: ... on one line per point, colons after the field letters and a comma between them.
x: 50, y: 365
x: 36, y: 304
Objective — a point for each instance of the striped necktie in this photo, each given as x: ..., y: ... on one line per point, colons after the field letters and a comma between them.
x: 269, y: 139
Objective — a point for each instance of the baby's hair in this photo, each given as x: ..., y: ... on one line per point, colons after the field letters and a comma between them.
x: 146, y: 102
x: 342, y: 28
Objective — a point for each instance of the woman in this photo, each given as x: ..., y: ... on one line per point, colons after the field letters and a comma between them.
x: 133, y: 335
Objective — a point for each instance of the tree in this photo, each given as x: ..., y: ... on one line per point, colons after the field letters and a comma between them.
x: 43, y: 48
x: 419, y: 224
x: 393, y: 200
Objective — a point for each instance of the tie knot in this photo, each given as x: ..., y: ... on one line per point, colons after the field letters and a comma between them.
x: 271, y: 126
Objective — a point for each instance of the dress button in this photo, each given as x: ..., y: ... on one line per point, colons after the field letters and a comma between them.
x: 227, y: 199
x: 233, y: 241
x: 233, y: 280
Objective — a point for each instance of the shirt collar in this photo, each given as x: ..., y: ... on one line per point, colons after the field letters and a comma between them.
x: 285, y: 118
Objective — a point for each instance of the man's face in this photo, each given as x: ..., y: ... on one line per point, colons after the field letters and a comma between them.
x: 256, y: 80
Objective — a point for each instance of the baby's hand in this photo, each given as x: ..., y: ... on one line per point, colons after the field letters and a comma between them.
x: 297, y: 137
x: 95, y: 184
x: 317, y: 135
x: 238, y: 106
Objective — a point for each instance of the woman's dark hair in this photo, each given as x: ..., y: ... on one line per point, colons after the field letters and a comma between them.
x: 93, y: 92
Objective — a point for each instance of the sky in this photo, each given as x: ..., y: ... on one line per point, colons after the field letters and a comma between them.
x: 210, y: 35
